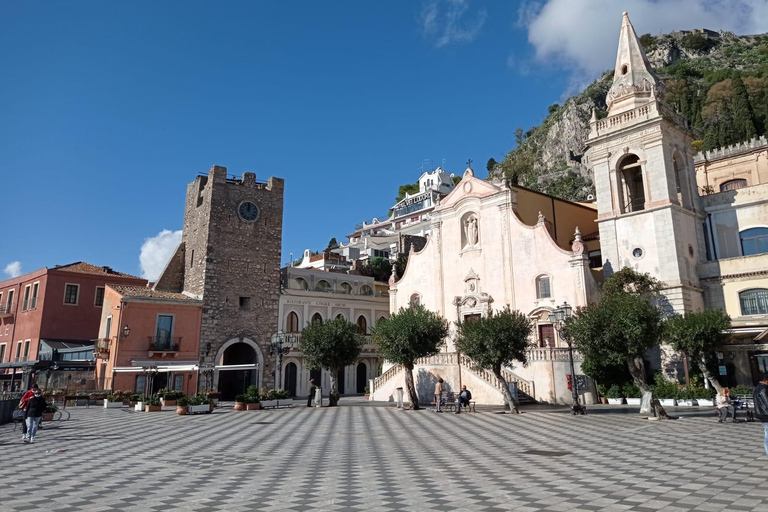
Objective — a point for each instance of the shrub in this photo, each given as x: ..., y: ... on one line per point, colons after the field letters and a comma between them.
x: 183, y: 402
x: 153, y: 400
x: 742, y: 390
x: 239, y: 398
x: 705, y: 393
x: 664, y: 388
x: 614, y: 391
x: 367, y: 390
x: 632, y: 391
x: 50, y: 408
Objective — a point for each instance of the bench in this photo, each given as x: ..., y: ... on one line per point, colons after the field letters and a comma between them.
x: 449, y: 403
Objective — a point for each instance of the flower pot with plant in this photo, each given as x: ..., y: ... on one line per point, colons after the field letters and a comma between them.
x: 49, y: 411
x: 182, y: 406
x: 113, y: 401
x: 239, y: 402
x: 252, y: 399
x: 633, y: 394
x: 152, y: 404
x: 666, y: 391
x: 367, y: 394
x: 615, y: 395
x: 705, y: 397
x: 199, y: 404
x: 685, y: 397
x: 170, y: 398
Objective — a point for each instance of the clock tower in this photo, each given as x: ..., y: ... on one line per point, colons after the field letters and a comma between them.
x: 231, y: 256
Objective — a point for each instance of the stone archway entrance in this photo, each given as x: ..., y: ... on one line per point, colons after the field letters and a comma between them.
x: 290, y: 377
x: 238, y: 365
x: 362, y: 377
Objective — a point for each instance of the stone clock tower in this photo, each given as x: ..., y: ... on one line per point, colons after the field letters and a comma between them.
x: 649, y: 212
x: 231, y: 259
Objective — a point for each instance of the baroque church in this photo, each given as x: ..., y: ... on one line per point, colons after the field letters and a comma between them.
x: 485, y: 253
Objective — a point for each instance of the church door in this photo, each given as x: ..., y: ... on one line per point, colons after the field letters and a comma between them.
x: 289, y: 381
x: 362, y: 377
x: 546, y: 332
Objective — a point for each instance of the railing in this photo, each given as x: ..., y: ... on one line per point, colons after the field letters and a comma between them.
x: 6, y: 310
x: 552, y: 354
x: 164, y: 343
x: 21, y: 359
x: 382, y: 379
x: 525, y: 386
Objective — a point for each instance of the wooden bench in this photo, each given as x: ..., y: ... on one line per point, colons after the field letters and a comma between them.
x: 448, y: 402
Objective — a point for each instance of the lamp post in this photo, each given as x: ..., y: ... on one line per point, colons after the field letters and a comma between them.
x: 149, y: 377
x: 560, y: 315
x: 278, y: 349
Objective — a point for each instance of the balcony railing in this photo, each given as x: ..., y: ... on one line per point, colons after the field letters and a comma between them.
x: 164, y: 343
x: 21, y: 359
x: 6, y: 310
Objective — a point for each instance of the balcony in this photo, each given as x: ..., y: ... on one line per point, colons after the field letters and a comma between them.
x: 102, y: 348
x: 164, y: 346
x: 6, y: 311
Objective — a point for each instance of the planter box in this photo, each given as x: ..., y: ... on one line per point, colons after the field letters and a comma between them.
x: 633, y: 401
x: 684, y: 403
x: 239, y: 406
x: 153, y: 408
x: 667, y: 402
x: 139, y: 406
x: 48, y: 416
x: 277, y: 403
x: 269, y: 403
x: 252, y: 407
x: 169, y: 403
x: 112, y: 405
x: 197, y: 409
x: 615, y: 401
x: 706, y: 402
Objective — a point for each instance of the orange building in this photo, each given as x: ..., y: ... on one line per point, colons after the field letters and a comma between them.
x: 149, y: 340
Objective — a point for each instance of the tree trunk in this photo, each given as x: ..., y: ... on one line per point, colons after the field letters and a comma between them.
x: 333, y: 396
x: 708, y: 375
x: 409, y: 385
x: 637, y: 370
x: 505, y: 390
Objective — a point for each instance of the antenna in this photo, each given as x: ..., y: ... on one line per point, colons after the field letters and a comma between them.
x: 443, y: 163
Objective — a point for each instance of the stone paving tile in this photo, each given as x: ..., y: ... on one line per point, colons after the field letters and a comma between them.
x: 371, y: 458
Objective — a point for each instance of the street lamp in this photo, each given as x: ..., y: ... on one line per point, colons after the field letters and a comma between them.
x: 126, y: 331
x: 560, y: 316
x: 278, y: 349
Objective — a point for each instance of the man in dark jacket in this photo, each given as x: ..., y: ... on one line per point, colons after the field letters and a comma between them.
x: 761, y: 407
x: 35, y: 409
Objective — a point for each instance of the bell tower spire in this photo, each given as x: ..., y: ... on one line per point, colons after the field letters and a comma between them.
x: 634, y: 82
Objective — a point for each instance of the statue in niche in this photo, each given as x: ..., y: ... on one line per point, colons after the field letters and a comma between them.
x: 471, y: 231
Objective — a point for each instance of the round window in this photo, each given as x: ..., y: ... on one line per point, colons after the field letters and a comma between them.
x: 637, y: 252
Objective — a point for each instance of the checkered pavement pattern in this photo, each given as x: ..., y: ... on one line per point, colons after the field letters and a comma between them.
x: 361, y: 456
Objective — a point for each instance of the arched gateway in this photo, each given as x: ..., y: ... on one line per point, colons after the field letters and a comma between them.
x: 239, y: 364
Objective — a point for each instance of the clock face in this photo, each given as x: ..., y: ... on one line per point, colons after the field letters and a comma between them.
x: 248, y: 211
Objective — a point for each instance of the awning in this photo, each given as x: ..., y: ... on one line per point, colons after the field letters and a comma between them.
x: 138, y: 367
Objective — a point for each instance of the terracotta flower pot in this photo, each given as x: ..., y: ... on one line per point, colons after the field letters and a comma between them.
x: 47, y: 416
x: 152, y: 408
x: 169, y: 402
x: 181, y: 410
x: 239, y: 406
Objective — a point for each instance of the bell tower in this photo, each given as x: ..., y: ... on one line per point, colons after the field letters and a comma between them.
x: 649, y: 212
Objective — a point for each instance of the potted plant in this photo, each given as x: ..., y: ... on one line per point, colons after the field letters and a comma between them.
x: 666, y: 391
x: 615, y: 395
x: 113, y: 401
x: 170, y: 398
x: 741, y: 391
x: 199, y: 404
x: 252, y: 400
x: 685, y: 398
x: 182, y: 406
x: 50, y: 409
x: 239, y: 402
x: 152, y: 404
x: 633, y: 394
x: 705, y: 397
x: 367, y: 394
x: 133, y: 398
x: 139, y: 403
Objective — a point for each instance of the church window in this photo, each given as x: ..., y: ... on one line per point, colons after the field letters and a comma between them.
x: 543, y: 288
x: 362, y: 324
x: 681, y: 182
x: 345, y: 288
x: 339, y: 317
x: 322, y: 286
x: 595, y: 259
x: 754, y: 302
x: 637, y: 252
x: 733, y: 185
x: 292, y: 322
x: 754, y: 241
x: 366, y: 290
x: 632, y: 189
x: 317, y: 318
x: 415, y: 300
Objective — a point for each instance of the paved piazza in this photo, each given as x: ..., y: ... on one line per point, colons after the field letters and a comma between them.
x: 362, y: 456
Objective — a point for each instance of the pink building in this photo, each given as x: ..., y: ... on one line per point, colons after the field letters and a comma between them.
x: 49, y: 319
x: 149, y: 339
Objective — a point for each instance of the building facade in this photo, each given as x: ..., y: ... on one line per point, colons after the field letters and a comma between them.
x: 51, y: 312
x: 315, y: 295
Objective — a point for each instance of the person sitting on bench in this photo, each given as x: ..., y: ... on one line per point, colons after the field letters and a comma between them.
x: 724, y: 405
x: 463, y: 399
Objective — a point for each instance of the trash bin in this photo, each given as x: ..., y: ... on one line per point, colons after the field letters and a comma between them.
x: 399, y: 398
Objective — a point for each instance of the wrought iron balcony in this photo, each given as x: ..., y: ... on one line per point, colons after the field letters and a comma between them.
x: 6, y: 310
x: 164, y: 344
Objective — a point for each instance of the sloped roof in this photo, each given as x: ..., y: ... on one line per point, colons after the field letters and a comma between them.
x: 81, y: 267
x: 148, y: 293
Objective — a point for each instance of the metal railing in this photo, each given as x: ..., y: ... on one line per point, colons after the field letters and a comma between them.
x: 6, y: 309
x: 164, y: 343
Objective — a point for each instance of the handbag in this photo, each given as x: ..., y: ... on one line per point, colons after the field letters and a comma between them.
x: 18, y: 415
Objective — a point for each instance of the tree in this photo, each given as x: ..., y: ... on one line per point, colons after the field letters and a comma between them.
x: 377, y: 267
x: 496, y: 341
x: 332, y: 345
x: 490, y: 166
x: 699, y: 335
x: 621, y: 327
x: 333, y: 244
x: 408, y: 335
x: 410, y: 188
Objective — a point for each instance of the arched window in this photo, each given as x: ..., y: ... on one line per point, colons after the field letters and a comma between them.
x: 339, y: 317
x: 632, y: 189
x: 754, y: 302
x: 362, y: 324
x: 732, y: 185
x: 415, y: 299
x: 345, y: 288
x: 366, y: 290
x: 322, y: 286
x: 301, y: 284
x: 754, y: 241
x: 543, y: 288
x: 292, y: 322
x: 317, y: 317
x: 681, y: 181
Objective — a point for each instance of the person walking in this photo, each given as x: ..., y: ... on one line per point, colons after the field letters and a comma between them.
x: 761, y: 407
x: 312, y: 389
x: 438, y: 394
x: 23, y: 406
x: 35, y: 409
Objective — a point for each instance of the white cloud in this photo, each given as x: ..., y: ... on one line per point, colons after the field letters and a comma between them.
x: 13, y: 269
x: 582, y: 35
x: 442, y: 23
x: 156, y: 252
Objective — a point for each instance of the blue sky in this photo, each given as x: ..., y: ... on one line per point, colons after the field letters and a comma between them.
x: 110, y: 108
